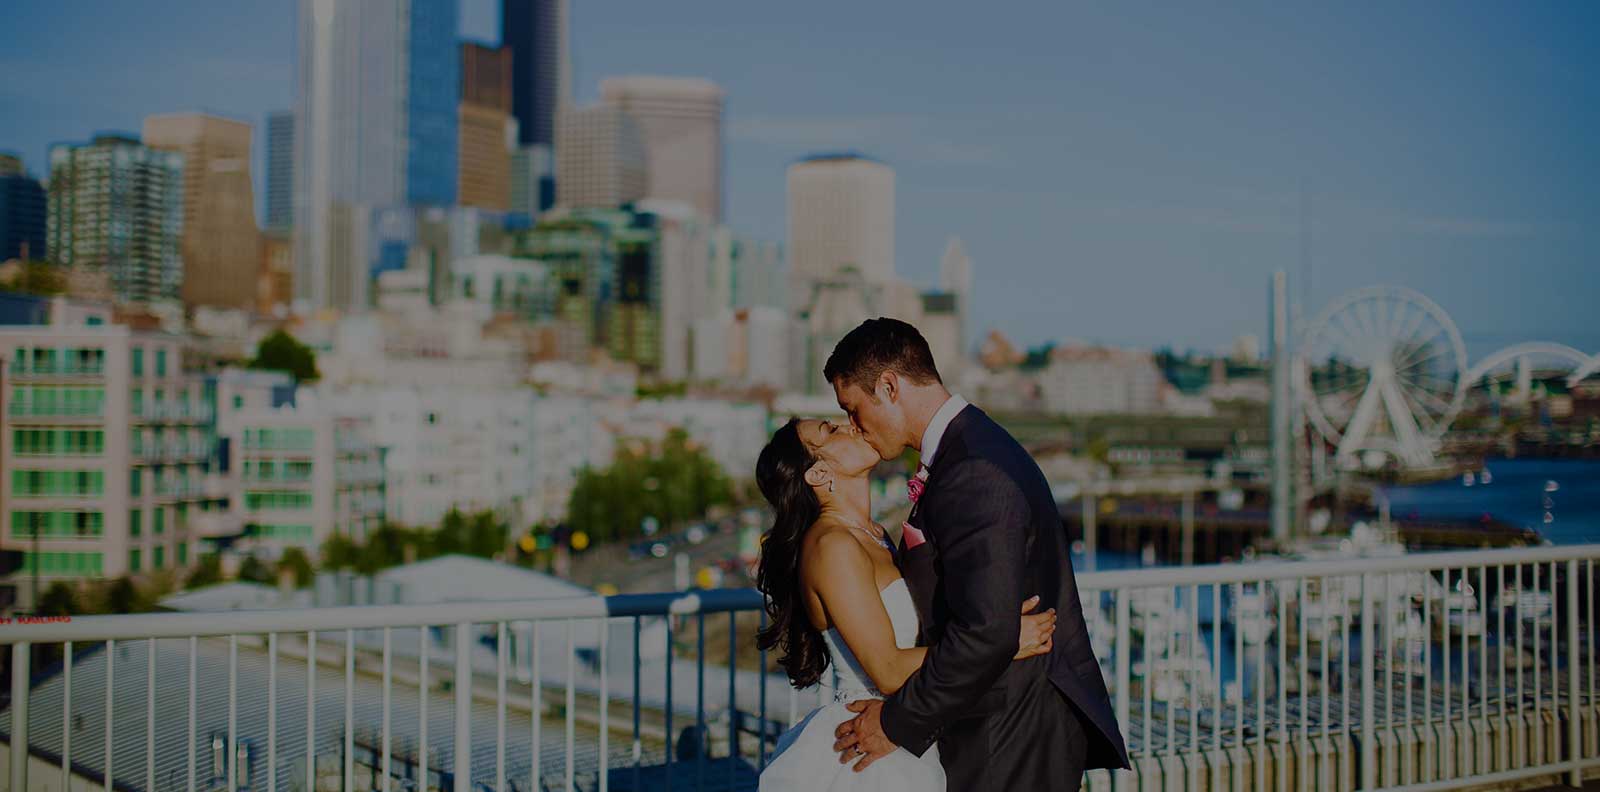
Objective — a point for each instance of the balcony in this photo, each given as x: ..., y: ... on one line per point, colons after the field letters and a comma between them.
x: 62, y: 372
x: 27, y: 413
x: 1444, y: 670
x: 159, y: 412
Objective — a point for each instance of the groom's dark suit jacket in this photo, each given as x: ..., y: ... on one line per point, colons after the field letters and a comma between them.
x: 995, y: 538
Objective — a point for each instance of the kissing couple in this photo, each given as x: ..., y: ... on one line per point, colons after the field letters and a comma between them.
x: 959, y: 653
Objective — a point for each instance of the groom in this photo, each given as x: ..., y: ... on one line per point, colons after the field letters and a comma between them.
x: 984, y: 534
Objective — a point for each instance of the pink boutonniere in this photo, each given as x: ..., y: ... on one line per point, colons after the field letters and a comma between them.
x: 917, y: 484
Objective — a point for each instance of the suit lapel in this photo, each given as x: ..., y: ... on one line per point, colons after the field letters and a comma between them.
x: 919, y: 565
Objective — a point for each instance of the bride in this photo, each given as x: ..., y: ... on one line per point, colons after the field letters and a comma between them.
x: 835, y: 597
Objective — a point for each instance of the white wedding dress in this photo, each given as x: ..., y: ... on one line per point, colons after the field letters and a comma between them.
x: 805, y: 761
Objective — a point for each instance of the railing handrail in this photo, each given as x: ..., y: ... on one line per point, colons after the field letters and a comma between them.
x: 1250, y: 572
x: 365, y: 617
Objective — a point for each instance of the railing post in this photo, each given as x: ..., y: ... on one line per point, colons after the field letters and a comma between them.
x: 463, y: 686
x: 1574, y: 725
x: 1124, y: 652
x: 1371, y: 647
x: 19, y: 714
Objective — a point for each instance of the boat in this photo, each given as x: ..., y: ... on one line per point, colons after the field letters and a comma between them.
x: 1468, y: 479
x: 1485, y: 477
x: 1528, y: 604
x: 1551, y: 486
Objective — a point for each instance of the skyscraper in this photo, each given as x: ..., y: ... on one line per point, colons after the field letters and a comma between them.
x: 487, y: 129
x: 221, y: 245
x: 536, y: 33
x: 23, y: 210
x: 841, y: 214
x: 533, y: 179
x: 94, y: 228
x: 682, y: 123
x: 375, y: 126
x: 601, y: 159
x: 280, y: 170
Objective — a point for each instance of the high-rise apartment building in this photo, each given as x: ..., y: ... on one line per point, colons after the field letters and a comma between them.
x: 280, y: 171
x: 376, y: 125
x: 602, y: 161
x: 536, y: 33
x: 221, y: 244
x: 488, y: 132
x: 106, y: 442
x: 116, y: 208
x: 581, y: 262
x: 682, y: 123
x: 533, y: 179
x: 841, y: 214
x: 23, y: 211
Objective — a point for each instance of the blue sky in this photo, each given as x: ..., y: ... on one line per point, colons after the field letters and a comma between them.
x: 1129, y: 174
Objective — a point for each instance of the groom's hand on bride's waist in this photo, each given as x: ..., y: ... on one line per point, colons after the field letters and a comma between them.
x: 862, y: 737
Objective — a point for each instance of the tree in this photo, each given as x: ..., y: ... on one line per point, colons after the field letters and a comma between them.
x: 38, y: 278
x: 122, y: 596
x: 338, y: 552
x: 206, y: 573
x: 281, y: 352
x: 58, y: 600
x: 294, y: 559
x: 676, y: 483
x: 253, y: 569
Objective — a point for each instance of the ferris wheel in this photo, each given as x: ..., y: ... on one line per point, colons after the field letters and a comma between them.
x: 1381, y: 374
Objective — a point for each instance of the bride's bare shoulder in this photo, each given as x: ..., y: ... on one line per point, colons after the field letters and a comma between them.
x: 827, y: 543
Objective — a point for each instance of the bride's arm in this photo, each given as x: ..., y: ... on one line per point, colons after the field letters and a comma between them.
x: 840, y: 572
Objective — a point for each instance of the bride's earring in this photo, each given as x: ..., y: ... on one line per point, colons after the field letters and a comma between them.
x: 830, y: 485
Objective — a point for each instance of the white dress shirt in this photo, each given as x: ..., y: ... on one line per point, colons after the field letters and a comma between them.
x: 941, y: 421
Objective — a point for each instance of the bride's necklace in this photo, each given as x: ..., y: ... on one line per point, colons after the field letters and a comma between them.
x: 881, y: 541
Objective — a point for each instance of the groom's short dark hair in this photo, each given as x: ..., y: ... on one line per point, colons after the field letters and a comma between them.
x: 876, y: 346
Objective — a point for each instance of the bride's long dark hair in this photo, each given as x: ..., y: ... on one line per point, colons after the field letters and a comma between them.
x: 781, y: 475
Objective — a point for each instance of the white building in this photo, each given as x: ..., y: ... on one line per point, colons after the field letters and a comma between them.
x: 444, y: 346
x: 747, y: 347
x: 1087, y: 380
x: 841, y: 214
x: 448, y: 447
x: 731, y: 433
x: 682, y: 123
x: 305, y: 471
x: 501, y: 285
x: 106, y: 444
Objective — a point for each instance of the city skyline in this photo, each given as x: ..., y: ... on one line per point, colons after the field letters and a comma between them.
x: 1446, y: 155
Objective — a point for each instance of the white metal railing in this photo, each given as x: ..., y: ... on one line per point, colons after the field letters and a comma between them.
x: 1423, y: 671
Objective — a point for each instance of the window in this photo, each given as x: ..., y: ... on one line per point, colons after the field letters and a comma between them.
x: 158, y: 558
x: 58, y: 483
x: 138, y: 361
x: 136, y: 401
x: 161, y: 362
x: 257, y: 501
x: 160, y: 526
x: 57, y: 524
x: 135, y: 522
x: 238, y: 402
x: 133, y: 560
x: 135, y: 482
x: 183, y: 554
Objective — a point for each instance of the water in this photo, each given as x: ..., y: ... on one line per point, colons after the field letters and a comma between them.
x: 1517, y: 495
